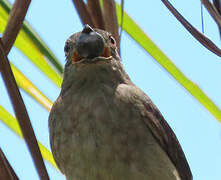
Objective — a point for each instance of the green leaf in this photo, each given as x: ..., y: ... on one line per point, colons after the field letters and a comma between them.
x: 21, y: 80
x: 12, y: 124
x: 30, y: 88
x: 26, y: 42
x: 31, y: 45
x: 150, y: 47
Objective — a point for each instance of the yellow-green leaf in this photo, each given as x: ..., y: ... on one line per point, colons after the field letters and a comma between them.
x: 30, y: 88
x: 145, y: 42
x: 150, y: 47
x: 30, y: 44
x: 12, y: 123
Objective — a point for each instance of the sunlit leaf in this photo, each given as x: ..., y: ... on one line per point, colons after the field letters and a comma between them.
x: 145, y: 42
x: 30, y: 88
x: 30, y: 44
x: 12, y: 123
x: 150, y: 47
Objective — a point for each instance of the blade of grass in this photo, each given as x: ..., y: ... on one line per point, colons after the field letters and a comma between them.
x: 12, y: 124
x: 142, y: 39
x: 35, y: 38
x: 30, y: 44
x: 14, y: 24
x: 22, y: 81
x: 30, y: 88
x: 150, y: 47
x: 21, y: 113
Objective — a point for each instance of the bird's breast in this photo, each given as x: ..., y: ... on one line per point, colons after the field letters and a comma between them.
x: 99, y: 134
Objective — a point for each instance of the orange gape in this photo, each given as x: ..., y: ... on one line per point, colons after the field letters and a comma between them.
x: 106, y: 53
x: 75, y: 57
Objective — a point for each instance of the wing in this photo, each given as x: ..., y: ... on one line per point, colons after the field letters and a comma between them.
x: 160, y: 130
x: 166, y: 138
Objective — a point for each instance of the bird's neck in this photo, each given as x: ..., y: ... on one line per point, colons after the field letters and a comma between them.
x: 95, y: 75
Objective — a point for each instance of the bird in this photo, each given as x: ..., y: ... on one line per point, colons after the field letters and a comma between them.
x: 102, y: 126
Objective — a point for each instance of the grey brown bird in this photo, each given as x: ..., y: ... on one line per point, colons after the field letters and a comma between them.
x: 103, y: 127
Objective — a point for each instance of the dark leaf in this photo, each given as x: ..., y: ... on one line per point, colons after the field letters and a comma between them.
x: 110, y: 19
x: 6, y: 171
x: 198, y: 35
x: 83, y: 12
x: 96, y: 13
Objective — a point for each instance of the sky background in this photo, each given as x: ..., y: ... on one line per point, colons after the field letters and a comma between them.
x: 199, y: 133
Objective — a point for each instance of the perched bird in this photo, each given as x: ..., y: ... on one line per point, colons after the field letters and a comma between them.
x: 103, y: 127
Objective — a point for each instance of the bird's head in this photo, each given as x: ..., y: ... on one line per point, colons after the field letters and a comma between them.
x: 92, y: 57
x: 90, y: 45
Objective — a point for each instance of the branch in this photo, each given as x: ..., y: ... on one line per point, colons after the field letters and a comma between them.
x: 198, y: 35
x: 6, y: 171
x: 217, y: 4
x: 122, y: 18
x: 110, y: 19
x: 15, y: 22
x: 213, y: 12
x: 83, y: 12
x: 21, y: 113
x: 96, y: 13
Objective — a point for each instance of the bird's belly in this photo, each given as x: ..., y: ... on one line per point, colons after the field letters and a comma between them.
x: 101, y: 138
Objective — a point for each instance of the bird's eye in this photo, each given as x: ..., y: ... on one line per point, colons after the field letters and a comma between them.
x: 112, y: 40
x: 66, y: 48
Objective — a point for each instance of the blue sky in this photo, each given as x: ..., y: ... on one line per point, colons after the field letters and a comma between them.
x: 197, y: 130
